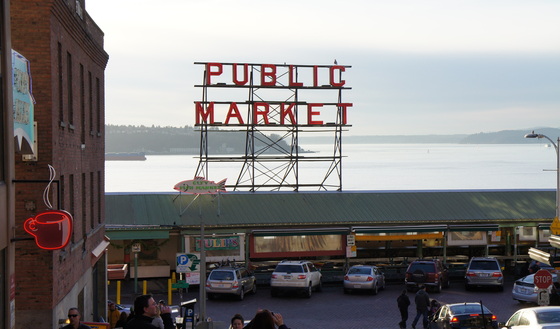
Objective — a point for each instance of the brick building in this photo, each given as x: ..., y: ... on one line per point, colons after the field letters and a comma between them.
x: 65, y: 49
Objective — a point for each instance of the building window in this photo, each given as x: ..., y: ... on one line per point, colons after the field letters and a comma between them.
x: 98, y: 103
x: 84, y: 205
x: 90, y: 102
x: 82, y: 104
x: 72, y: 205
x: 60, y: 87
x: 99, y: 196
x: 69, y: 90
x: 92, y: 195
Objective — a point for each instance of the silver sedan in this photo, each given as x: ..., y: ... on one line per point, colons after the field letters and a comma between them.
x: 364, y: 277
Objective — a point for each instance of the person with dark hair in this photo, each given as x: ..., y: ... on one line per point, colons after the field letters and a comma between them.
x: 145, y: 308
x: 122, y: 320
x: 75, y: 317
x: 113, y: 315
x: 422, y: 301
x: 237, y: 322
x: 265, y: 319
x: 403, y: 302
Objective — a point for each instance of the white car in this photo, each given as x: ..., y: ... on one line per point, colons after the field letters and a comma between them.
x: 525, y: 291
x: 295, y: 275
x: 540, y: 317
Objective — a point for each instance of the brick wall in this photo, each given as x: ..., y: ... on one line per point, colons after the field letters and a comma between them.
x: 67, y: 66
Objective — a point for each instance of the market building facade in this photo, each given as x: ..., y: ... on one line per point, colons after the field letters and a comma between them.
x: 331, y: 228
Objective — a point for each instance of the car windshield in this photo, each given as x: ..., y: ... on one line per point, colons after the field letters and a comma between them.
x: 468, y: 309
x: 426, y: 267
x: 548, y: 317
x: 221, y: 275
x: 359, y: 270
x: 486, y: 265
x: 289, y: 268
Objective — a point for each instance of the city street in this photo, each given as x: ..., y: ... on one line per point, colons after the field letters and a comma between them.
x: 333, y: 308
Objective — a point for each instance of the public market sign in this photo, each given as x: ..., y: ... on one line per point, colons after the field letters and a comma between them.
x: 272, y: 78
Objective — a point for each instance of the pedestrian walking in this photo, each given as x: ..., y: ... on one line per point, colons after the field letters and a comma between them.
x: 422, y: 301
x: 403, y: 302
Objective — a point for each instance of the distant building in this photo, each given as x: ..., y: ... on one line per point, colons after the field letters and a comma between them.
x: 65, y: 49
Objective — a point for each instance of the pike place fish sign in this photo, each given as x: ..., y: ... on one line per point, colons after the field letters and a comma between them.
x: 200, y: 185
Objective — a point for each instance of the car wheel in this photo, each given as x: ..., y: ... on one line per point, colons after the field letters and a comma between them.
x: 438, y: 287
x: 254, y: 290
x: 241, y: 293
x: 320, y: 286
x: 375, y: 289
x: 419, y: 276
x: 467, y: 287
x: 309, y: 291
x: 501, y: 288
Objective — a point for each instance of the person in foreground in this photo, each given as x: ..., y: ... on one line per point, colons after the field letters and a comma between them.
x: 265, y: 319
x: 237, y: 322
x: 75, y: 323
x: 145, y: 308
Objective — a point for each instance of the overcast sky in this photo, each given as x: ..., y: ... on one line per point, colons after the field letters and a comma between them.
x: 418, y: 67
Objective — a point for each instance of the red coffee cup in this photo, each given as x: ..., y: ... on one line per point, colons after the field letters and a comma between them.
x: 52, y: 229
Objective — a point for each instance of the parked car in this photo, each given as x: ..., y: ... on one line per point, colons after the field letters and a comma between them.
x: 295, y: 275
x: 429, y: 272
x: 364, y: 277
x: 484, y: 272
x: 539, y: 317
x: 230, y: 281
x: 525, y: 291
x: 463, y: 316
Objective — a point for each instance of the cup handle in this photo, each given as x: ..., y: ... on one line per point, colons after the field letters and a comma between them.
x: 29, y: 225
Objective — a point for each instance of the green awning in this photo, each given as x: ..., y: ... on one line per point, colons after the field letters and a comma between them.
x: 399, y: 229
x: 137, y: 234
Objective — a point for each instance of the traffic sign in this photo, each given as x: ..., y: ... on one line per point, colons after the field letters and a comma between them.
x: 543, y: 279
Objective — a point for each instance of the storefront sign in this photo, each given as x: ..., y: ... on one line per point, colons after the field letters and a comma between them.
x: 220, y: 243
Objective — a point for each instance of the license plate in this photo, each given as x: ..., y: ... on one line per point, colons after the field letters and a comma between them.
x: 357, y: 286
x: 219, y: 285
x: 287, y: 277
x: 484, y: 275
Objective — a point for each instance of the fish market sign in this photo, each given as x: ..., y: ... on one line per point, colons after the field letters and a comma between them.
x: 200, y: 185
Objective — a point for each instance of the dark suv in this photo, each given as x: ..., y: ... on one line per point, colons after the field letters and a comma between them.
x: 429, y: 272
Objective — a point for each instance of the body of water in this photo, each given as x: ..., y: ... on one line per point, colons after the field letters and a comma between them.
x: 369, y: 167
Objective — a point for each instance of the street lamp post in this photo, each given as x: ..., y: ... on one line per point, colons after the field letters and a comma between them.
x: 556, y: 145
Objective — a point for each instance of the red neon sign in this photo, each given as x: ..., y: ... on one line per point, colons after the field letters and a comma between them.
x: 273, y: 113
x: 52, y: 229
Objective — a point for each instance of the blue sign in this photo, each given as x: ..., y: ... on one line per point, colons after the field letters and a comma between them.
x: 23, y: 104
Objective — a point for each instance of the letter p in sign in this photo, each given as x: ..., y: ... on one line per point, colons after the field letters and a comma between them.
x: 182, y: 260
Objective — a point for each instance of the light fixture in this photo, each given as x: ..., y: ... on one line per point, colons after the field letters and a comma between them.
x: 539, y: 255
x: 554, y: 241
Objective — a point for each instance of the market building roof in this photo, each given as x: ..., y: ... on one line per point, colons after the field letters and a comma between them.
x: 153, y: 211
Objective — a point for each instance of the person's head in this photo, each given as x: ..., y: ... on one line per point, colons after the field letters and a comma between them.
x: 263, y: 320
x: 123, y: 316
x: 421, y: 287
x: 74, y: 316
x: 112, y: 306
x: 145, y: 305
x: 404, y: 292
x: 237, y: 321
